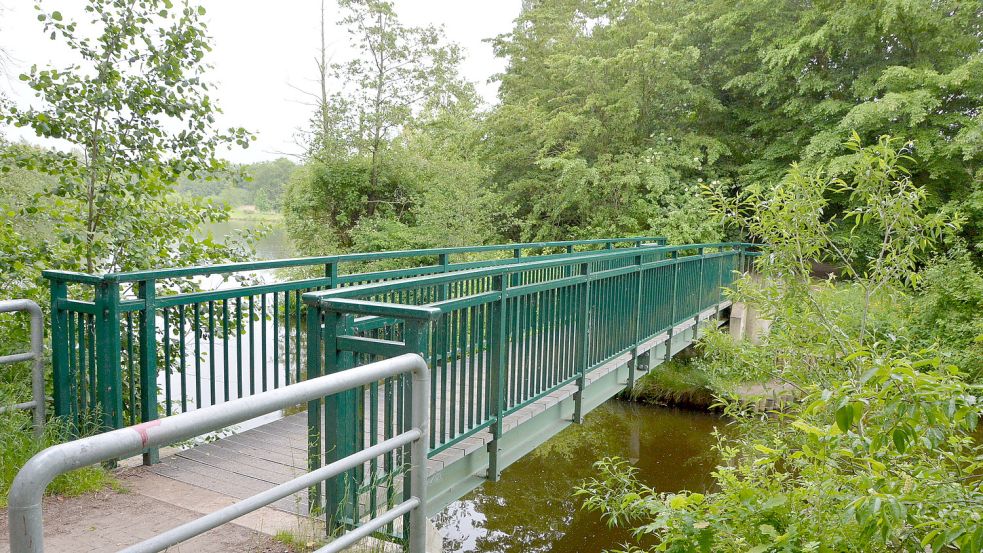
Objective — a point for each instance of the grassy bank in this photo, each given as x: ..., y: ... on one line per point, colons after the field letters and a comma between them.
x: 18, y: 442
x: 679, y: 382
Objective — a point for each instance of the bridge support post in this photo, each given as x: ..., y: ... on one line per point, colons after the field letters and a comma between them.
x: 583, y: 337
x: 497, y: 340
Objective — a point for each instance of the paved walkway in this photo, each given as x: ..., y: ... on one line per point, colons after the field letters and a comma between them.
x: 110, y: 520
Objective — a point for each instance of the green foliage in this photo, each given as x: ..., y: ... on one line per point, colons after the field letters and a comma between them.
x: 136, y: 110
x: 393, y: 162
x: 598, y: 132
x: 947, y: 311
x: 611, y: 111
x: 138, y: 80
x: 874, y: 464
x: 881, y: 452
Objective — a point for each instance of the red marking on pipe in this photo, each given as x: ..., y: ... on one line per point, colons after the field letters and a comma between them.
x: 142, y: 429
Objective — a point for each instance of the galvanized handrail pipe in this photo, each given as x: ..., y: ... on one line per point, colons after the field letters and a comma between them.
x: 24, y: 500
x: 36, y: 354
x: 214, y: 519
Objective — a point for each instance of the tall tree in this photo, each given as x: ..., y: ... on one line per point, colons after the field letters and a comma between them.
x: 395, y: 70
x: 136, y: 106
x: 597, y: 131
x: 398, y: 76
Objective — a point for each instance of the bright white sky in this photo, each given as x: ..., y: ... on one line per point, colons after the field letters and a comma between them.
x: 264, y: 48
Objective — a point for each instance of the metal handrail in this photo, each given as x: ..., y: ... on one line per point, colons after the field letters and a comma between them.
x: 24, y: 500
x: 132, y: 276
x: 37, y: 402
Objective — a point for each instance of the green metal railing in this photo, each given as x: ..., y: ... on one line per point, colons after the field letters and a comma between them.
x: 131, y: 347
x: 497, y: 339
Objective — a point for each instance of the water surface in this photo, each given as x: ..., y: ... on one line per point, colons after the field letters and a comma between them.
x: 532, y: 508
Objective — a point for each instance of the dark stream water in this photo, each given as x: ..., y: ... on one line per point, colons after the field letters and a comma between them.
x: 532, y: 507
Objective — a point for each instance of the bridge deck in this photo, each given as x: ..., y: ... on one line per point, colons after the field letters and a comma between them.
x: 246, y: 463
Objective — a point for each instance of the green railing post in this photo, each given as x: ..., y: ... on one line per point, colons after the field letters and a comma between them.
x: 699, y: 302
x: 720, y: 282
x: 583, y: 337
x: 634, y: 364
x: 315, y: 339
x: 108, y: 373
x: 514, y: 278
x: 146, y: 290
x: 444, y: 291
x: 672, y: 304
x: 62, y: 378
x: 497, y: 344
x: 340, y: 435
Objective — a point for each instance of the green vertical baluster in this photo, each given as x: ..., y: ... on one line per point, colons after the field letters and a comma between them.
x: 167, y: 363
x: 276, y: 341
x: 286, y: 337
x: 452, y: 354
x: 252, y: 345
x: 462, y: 364
x: 239, y: 347
x: 90, y: 337
x: 373, y: 415
x: 299, y: 370
x: 211, y: 353
x: 262, y: 321
x: 196, y: 323
x: 70, y: 393
x: 225, y: 350
x: 184, y: 364
x: 444, y: 323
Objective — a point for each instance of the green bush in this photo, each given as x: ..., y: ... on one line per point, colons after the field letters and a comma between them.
x: 18, y: 444
x: 947, y: 311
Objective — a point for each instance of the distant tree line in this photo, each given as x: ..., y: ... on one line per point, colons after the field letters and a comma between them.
x: 260, y: 185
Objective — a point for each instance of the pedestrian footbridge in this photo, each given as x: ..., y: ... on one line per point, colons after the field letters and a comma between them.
x: 367, y: 390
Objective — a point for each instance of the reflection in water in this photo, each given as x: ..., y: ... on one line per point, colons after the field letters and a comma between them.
x: 532, y: 508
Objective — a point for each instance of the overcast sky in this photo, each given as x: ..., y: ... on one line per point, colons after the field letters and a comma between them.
x: 264, y: 48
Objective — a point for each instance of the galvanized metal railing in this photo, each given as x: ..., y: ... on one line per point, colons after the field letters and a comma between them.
x: 24, y: 500
x: 131, y: 347
x: 36, y: 355
x: 497, y: 339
